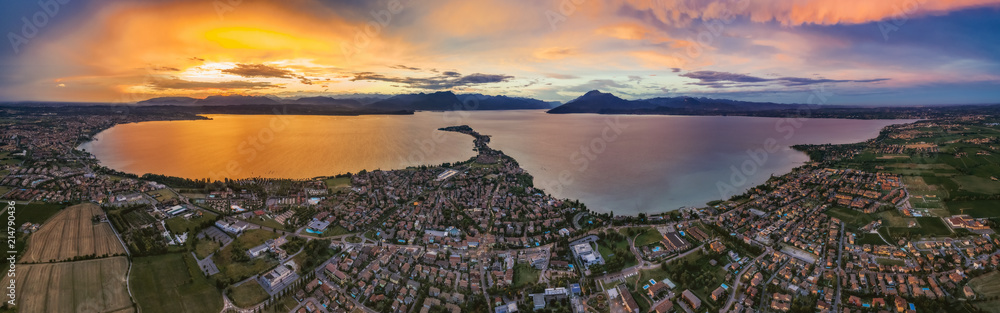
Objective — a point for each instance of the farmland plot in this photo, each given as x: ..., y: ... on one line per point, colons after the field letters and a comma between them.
x: 72, y: 233
x: 81, y: 286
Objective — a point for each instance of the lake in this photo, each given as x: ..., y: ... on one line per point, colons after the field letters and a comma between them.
x: 622, y: 163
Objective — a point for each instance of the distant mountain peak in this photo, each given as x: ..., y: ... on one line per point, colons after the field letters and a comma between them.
x: 595, y: 101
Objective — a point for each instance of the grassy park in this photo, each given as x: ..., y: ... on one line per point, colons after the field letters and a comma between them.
x: 648, y: 237
x: 525, y: 275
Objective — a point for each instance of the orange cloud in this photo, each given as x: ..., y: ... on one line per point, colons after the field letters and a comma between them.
x: 555, y: 53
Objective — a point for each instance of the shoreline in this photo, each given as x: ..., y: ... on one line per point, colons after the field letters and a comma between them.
x: 602, y: 209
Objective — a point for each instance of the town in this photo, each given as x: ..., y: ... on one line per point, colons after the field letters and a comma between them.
x: 901, y: 223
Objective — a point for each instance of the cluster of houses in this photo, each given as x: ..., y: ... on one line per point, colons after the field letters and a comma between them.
x: 390, y: 276
x: 817, y: 255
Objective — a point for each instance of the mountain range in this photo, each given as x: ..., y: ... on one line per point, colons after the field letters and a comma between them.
x: 605, y: 103
x: 437, y: 101
x: 592, y: 102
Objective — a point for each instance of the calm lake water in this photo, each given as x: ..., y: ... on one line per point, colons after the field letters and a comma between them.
x: 626, y: 164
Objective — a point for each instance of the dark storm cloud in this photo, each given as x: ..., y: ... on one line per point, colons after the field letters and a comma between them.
x: 166, y: 69
x: 177, y: 83
x: 716, y: 79
x: 258, y: 70
x: 444, y: 81
x: 404, y: 67
x: 266, y: 71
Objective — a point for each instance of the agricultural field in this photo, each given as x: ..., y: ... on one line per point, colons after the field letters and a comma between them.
x: 987, y: 287
x: 975, y: 208
x: 173, y: 283
x: 82, y: 286
x: 927, y: 227
x: 72, y: 233
x: 977, y: 184
x: 36, y: 212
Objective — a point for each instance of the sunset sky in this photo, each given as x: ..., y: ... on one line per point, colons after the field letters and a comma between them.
x: 860, y: 52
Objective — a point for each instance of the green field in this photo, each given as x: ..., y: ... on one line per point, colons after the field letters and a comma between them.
x: 887, y: 261
x: 337, y: 183
x: 173, y: 283
x: 868, y: 238
x: 933, y: 226
x: 180, y: 224
x: 893, y: 218
x: 35, y: 212
x: 853, y: 219
x: 232, y: 270
x: 248, y: 294
x: 6, y: 159
x: 648, y: 237
x: 616, y: 253
x: 928, y: 227
x: 975, y: 208
x: 205, y: 248
x: 977, y: 184
x: 525, y: 275
x: 336, y: 231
